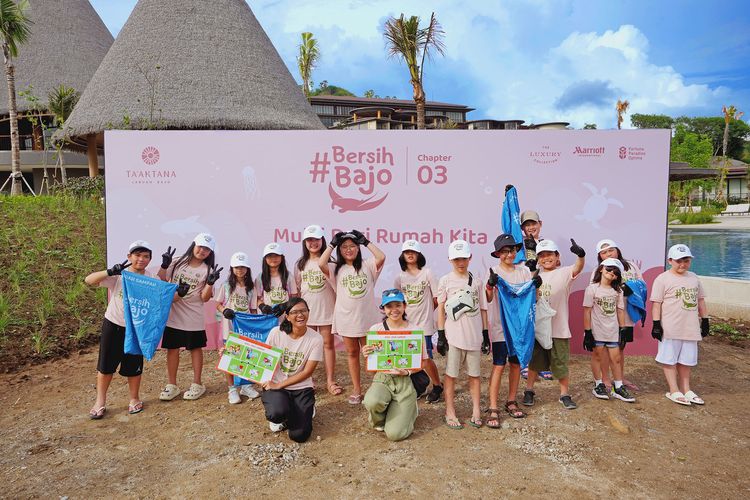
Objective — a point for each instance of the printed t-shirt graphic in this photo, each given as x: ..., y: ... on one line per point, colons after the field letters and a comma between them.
x: 297, y: 353
x: 633, y: 273
x: 520, y: 274
x: 317, y: 291
x: 238, y: 300
x: 277, y: 294
x: 187, y: 312
x: 355, y: 299
x: 679, y: 295
x: 419, y: 291
x: 555, y: 290
x: 604, y: 303
x: 115, y: 312
x: 466, y: 333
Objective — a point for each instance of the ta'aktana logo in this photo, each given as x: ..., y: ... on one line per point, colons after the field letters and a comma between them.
x: 545, y: 156
x: 150, y: 155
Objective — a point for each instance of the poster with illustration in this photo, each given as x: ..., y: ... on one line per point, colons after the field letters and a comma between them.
x: 249, y: 359
x: 395, y: 350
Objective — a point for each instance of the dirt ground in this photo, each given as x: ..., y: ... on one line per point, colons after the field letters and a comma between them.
x: 207, y: 449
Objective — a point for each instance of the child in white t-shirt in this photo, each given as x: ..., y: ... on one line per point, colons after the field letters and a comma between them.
x: 680, y: 322
x: 603, y: 312
x: 236, y: 294
x: 419, y: 286
x: 276, y: 284
x: 462, y: 330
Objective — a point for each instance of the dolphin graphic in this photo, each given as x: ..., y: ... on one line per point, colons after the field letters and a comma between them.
x: 352, y: 204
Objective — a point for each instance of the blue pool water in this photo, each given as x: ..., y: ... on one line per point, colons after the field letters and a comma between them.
x: 720, y: 253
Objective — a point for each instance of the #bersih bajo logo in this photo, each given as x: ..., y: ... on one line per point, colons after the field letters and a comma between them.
x: 148, y: 173
x: 631, y: 153
x: 545, y: 155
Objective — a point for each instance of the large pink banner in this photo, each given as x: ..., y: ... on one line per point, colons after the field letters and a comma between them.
x: 249, y: 188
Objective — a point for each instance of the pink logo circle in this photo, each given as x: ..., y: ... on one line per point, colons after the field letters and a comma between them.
x: 150, y: 155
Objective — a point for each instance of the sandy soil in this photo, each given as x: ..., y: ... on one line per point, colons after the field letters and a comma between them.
x: 206, y: 448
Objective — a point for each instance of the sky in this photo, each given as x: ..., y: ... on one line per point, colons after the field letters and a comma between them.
x: 533, y: 60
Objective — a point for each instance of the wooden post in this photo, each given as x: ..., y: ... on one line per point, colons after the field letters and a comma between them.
x: 93, y: 158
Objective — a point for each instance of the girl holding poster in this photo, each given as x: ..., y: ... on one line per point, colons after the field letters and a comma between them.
x: 317, y: 291
x: 112, y: 342
x: 391, y: 399
x: 275, y: 284
x: 289, y: 397
x: 236, y: 295
x: 195, y: 273
x: 355, y: 308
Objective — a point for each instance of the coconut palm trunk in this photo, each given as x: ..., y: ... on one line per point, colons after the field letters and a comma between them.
x: 15, y: 147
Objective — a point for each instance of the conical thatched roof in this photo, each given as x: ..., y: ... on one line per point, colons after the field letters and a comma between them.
x: 192, y: 64
x: 68, y: 41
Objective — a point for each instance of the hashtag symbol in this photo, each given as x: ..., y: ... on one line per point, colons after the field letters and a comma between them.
x: 319, y: 168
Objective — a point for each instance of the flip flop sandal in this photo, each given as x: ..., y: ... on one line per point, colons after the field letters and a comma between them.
x: 678, y: 397
x: 136, y: 408
x: 476, y: 422
x: 516, y: 412
x: 454, y: 423
x: 493, y: 420
x: 545, y: 375
x: 335, y: 389
x: 355, y: 399
x: 97, y: 413
x: 694, y: 398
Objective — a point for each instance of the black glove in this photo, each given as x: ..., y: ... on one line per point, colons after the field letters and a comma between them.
x: 183, y: 288
x: 531, y: 264
x: 705, y: 329
x: 336, y: 240
x: 265, y: 309
x: 166, y: 257
x: 530, y: 244
x: 657, y: 331
x: 492, y: 280
x: 213, y: 275
x: 588, y: 340
x: 626, y: 335
x: 442, y: 343
x: 626, y: 290
x: 116, y: 270
x: 361, y: 238
x: 278, y: 309
x: 537, y: 281
x: 576, y: 249
x: 485, y: 341
x: 508, y: 188
x: 228, y: 313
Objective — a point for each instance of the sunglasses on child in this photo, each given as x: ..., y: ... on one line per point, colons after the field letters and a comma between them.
x: 612, y: 269
x: 391, y: 293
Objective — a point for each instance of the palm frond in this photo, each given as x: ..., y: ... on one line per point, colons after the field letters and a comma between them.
x: 15, y: 26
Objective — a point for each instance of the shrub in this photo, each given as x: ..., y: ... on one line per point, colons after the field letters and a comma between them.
x: 81, y: 187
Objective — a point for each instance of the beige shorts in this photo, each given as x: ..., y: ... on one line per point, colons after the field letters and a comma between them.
x: 458, y: 357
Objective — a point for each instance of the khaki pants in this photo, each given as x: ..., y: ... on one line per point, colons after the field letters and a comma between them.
x: 392, y: 404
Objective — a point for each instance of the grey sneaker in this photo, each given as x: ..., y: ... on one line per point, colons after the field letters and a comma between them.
x: 622, y: 394
x: 568, y: 402
x: 600, y: 391
x: 528, y: 398
x: 434, y: 395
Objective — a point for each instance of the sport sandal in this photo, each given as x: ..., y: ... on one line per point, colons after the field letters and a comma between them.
x: 694, y: 398
x: 170, y: 392
x: 195, y: 391
x: 677, y: 397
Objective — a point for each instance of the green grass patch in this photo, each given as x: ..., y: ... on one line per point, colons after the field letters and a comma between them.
x: 705, y: 216
x: 728, y: 331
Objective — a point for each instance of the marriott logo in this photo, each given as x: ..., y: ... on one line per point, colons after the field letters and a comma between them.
x: 588, y: 151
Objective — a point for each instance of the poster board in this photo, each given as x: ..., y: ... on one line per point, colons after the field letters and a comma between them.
x: 395, y: 350
x: 249, y: 359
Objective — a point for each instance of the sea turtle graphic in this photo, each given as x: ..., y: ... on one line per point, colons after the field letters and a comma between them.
x: 595, y: 207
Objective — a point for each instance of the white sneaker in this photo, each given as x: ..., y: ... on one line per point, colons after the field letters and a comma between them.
x: 247, y: 390
x: 276, y: 427
x: 234, y: 396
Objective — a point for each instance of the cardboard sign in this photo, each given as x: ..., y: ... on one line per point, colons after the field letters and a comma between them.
x: 395, y: 350
x: 249, y: 359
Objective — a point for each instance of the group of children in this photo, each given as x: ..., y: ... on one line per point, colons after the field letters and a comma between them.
x: 323, y: 294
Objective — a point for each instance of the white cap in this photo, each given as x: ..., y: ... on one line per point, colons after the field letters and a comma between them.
x: 240, y: 259
x: 604, y: 244
x: 459, y: 249
x: 205, y: 240
x: 274, y: 248
x: 412, y: 245
x: 546, y: 246
x: 139, y: 244
x: 312, y: 231
x: 679, y: 251
x: 615, y: 263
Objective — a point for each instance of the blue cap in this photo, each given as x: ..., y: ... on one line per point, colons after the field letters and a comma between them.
x: 392, y: 295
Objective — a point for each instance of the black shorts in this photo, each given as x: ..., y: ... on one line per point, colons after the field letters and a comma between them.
x: 500, y: 354
x: 175, y: 339
x: 112, y: 352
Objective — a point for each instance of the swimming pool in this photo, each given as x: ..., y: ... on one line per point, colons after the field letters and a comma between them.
x: 718, y: 252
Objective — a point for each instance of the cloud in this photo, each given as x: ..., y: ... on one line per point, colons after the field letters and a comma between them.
x: 595, y: 93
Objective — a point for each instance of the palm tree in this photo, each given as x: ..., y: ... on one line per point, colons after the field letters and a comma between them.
x: 15, y: 29
x: 405, y: 39
x: 61, y: 101
x: 622, y: 108
x: 308, y: 57
x: 730, y: 113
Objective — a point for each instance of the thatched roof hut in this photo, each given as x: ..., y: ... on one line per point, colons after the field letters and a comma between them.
x: 190, y: 64
x: 68, y: 41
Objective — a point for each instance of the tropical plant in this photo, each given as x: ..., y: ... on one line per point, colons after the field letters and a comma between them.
x: 15, y: 29
x: 61, y: 101
x: 406, y: 40
x: 730, y: 114
x: 589, y: 126
x: 307, y: 59
x: 622, y: 108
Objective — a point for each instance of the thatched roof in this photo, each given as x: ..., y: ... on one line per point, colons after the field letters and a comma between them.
x: 68, y: 41
x: 192, y: 64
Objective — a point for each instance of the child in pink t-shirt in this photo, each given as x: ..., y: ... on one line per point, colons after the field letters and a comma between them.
x: 603, y: 312
x: 276, y: 284
x: 317, y: 291
x: 419, y: 286
x: 195, y: 274
x: 355, y: 308
x: 680, y: 322
x: 236, y: 295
